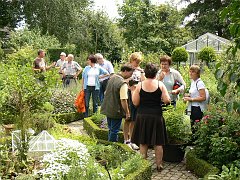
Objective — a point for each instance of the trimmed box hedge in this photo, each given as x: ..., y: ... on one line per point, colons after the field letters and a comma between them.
x: 198, y: 166
x: 143, y: 173
x: 94, y: 131
x: 66, y: 118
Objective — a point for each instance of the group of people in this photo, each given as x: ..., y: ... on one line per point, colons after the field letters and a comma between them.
x: 135, y: 94
x: 138, y: 95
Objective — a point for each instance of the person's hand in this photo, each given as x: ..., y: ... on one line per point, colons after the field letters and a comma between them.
x: 132, y: 88
x: 128, y: 117
x: 162, y: 75
x: 185, y: 99
x: 176, y: 91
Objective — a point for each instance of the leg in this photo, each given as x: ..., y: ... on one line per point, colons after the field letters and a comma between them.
x: 101, y: 93
x: 95, y: 95
x: 159, y: 156
x: 143, y: 150
x: 87, y: 93
x: 114, y: 125
x: 126, y: 130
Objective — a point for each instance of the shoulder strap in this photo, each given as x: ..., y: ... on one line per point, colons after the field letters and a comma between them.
x: 196, y: 84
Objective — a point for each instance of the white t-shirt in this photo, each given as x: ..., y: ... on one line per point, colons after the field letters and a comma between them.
x: 92, y: 74
x: 194, y: 92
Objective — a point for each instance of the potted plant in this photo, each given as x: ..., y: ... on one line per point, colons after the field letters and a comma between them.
x: 178, y: 132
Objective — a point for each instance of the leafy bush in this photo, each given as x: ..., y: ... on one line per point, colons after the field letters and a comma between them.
x: 218, y: 137
x: 179, y: 54
x: 177, y: 124
x: 63, y: 101
x: 207, y: 54
x: 33, y: 38
x: 232, y: 173
x: 42, y: 121
x: 200, y: 167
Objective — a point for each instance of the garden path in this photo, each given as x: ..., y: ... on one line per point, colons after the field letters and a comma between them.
x: 171, y: 171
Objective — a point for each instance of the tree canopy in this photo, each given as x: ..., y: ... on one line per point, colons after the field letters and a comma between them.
x: 206, y: 17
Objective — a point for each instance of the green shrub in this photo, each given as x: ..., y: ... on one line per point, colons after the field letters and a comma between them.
x: 65, y: 118
x: 63, y: 101
x: 94, y: 131
x: 42, y: 121
x: 232, y: 173
x: 207, y: 54
x: 200, y: 167
x: 179, y: 54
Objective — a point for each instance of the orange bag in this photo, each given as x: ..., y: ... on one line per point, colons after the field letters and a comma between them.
x: 80, y: 102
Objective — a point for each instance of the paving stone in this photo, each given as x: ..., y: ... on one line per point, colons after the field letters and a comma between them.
x: 171, y: 171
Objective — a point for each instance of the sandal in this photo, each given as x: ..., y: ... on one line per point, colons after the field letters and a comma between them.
x: 159, y: 168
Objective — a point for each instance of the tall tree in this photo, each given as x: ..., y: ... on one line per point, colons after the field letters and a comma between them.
x: 206, y: 17
x: 10, y: 13
x: 151, y: 28
x: 55, y: 17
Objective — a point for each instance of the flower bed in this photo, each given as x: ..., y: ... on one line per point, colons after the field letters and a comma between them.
x: 95, y: 131
x: 198, y: 166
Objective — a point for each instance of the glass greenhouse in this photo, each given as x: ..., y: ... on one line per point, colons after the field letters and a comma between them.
x: 208, y: 39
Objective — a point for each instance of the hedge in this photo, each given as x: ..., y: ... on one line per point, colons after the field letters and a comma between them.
x: 94, y: 131
x: 66, y: 118
x: 198, y: 166
x: 143, y: 173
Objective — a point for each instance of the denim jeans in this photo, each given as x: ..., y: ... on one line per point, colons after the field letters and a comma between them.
x: 103, y: 86
x: 114, y: 127
x: 95, y: 93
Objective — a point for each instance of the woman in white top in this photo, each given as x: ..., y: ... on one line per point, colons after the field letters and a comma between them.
x: 197, y: 95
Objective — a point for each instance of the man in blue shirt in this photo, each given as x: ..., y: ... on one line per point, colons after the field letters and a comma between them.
x: 105, y: 64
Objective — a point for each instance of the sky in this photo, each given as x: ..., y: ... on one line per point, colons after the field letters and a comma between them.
x: 110, y: 6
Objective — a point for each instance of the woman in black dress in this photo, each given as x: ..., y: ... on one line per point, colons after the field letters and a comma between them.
x: 150, y: 128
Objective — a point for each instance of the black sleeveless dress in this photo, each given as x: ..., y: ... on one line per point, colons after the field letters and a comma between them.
x: 150, y: 126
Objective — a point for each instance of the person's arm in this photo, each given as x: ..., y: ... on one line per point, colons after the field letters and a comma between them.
x: 103, y: 73
x: 124, y: 99
x: 200, y: 98
x: 124, y: 103
x: 179, y: 78
x: 165, y: 96
x: 136, y: 96
x: 51, y: 65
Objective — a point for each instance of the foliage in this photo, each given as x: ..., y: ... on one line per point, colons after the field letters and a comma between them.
x: 97, y: 118
x: 177, y: 124
x: 200, y: 167
x: 63, y: 101
x: 231, y: 14
x: 232, y: 173
x: 162, y: 22
x: 42, y: 121
x: 206, y: 17
x: 228, y: 75
x: 217, y: 137
x: 207, y: 54
x: 96, y: 132
x: 33, y: 38
x: 227, y: 71
x: 179, y: 54
x: 9, y: 13
x: 21, y: 57
x: 69, y: 154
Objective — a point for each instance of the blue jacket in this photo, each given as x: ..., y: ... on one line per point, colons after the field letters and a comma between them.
x: 100, y: 70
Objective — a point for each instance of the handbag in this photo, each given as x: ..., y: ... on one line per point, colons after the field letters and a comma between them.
x: 176, y: 85
x: 80, y: 102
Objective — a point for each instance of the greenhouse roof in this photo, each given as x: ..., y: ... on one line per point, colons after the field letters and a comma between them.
x: 208, y: 39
